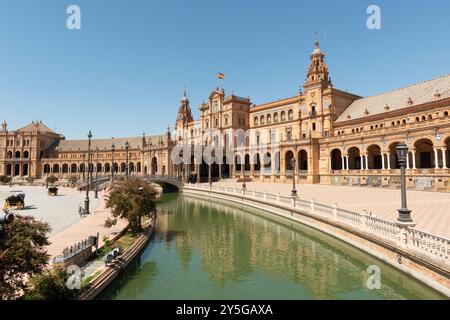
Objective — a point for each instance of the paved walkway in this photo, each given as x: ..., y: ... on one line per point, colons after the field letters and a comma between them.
x: 60, y: 211
x: 87, y: 226
x: 430, y: 210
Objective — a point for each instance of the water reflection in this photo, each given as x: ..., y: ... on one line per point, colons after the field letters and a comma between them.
x: 210, y: 250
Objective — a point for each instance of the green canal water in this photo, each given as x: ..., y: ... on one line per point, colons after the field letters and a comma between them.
x: 207, y: 249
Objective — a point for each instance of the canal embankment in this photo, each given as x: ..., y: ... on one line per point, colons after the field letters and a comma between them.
x: 419, y: 254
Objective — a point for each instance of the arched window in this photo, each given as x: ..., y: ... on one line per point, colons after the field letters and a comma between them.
x: 261, y: 120
x: 290, y: 114
x: 207, y: 124
x: 269, y: 119
x: 275, y: 117
x: 283, y: 116
x: 255, y: 121
x: 445, y: 113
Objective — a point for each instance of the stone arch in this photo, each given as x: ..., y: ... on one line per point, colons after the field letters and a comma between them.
x: 16, y: 169
x: 25, y: 169
x: 302, y: 160
x: 336, y: 159
x: 354, y: 158
x: 256, y: 162
x: 107, y: 167
x: 17, y: 155
x: 154, y: 166
x: 237, y: 163
x: 9, y: 155
x: 46, y: 168
x: 374, y: 157
x: 247, y: 162
x: 288, y: 156
x: 73, y: 168
x: 99, y: 167
x: 425, y: 158
x: 267, y: 162
x: 56, y: 168
x: 26, y: 154
x: 65, y: 168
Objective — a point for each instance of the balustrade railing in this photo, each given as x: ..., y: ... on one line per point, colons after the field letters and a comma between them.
x: 415, y: 239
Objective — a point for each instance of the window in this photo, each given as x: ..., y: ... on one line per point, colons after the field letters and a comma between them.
x: 290, y: 114
x: 275, y: 117
x: 226, y: 121
x: 255, y: 121
x: 261, y: 120
x: 269, y: 119
x: 283, y: 116
x: 314, y: 127
x: 417, y: 119
x: 446, y: 113
x: 216, y: 122
x: 207, y: 124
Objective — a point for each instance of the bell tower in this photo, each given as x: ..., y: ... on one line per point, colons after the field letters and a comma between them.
x: 318, y: 70
x: 183, y: 118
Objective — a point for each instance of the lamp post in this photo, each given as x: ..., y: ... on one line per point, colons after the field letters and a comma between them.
x: 96, y: 175
x: 244, y: 186
x: 84, y: 166
x: 404, y: 217
x: 127, y: 146
x: 113, y: 167
x: 294, y: 191
x: 209, y: 175
x: 86, y: 200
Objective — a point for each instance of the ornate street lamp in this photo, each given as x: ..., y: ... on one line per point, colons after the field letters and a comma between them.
x: 96, y: 175
x: 86, y: 200
x: 127, y: 147
x: 294, y: 191
x: 404, y: 213
x: 113, y: 167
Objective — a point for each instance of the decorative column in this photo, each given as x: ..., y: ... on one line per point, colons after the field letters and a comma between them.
x: 413, y: 153
x: 367, y: 161
x: 343, y: 162
x: 389, y: 160
x: 444, y: 158
x: 382, y: 161
x: 407, y: 160
x: 436, y: 159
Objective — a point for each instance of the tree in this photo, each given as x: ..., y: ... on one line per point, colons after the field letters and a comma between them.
x: 51, y: 285
x: 30, y: 180
x: 51, y: 179
x: 72, y: 179
x: 132, y: 200
x: 22, y: 255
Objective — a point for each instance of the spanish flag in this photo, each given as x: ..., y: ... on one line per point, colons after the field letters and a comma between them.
x: 220, y: 75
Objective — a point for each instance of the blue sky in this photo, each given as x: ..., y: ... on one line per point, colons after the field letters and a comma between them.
x: 124, y: 72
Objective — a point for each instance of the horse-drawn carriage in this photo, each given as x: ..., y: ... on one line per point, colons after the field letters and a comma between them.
x: 52, y: 191
x: 16, y: 199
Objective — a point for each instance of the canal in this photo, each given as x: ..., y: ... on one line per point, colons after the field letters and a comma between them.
x: 205, y: 249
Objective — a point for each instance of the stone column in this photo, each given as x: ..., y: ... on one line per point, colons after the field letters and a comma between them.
x: 413, y: 152
x: 407, y: 160
x: 436, y: 159
x: 343, y: 162
x: 367, y: 161
x: 389, y: 160
x: 444, y: 158
x: 329, y: 163
x: 382, y: 161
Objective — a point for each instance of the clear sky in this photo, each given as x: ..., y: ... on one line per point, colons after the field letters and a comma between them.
x: 124, y: 72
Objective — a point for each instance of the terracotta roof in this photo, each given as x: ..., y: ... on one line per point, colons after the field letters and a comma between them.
x: 398, y: 99
x: 105, y: 144
x: 36, y: 126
